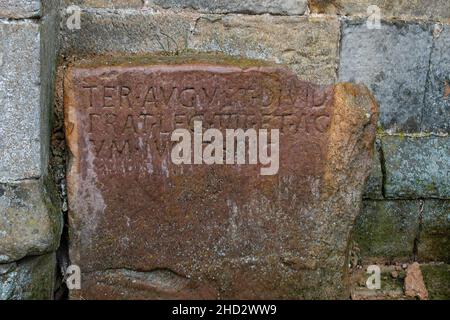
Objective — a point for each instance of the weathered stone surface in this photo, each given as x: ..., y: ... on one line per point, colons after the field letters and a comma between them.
x: 393, y: 63
x: 131, y: 31
x: 286, y: 7
x: 20, y: 8
x: 29, y: 222
x: 212, y: 231
x: 308, y: 45
x: 386, y: 230
x: 417, y: 167
x: 414, y: 284
x: 49, y: 47
x: 30, y: 278
x: 19, y: 101
x: 374, y: 185
x: 425, y: 9
x: 391, y: 287
x: 107, y: 3
x: 279, y: 7
x: 437, y: 99
x: 434, y: 244
x: 437, y: 278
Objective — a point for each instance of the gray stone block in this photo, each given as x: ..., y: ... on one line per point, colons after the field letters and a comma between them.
x: 18, y: 9
x: 393, y: 63
x: 434, y: 241
x: 436, y: 115
x: 309, y: 46
x: 278, y: 7
x: 29, y: 279
x: 132, y: 31
x: 30, y: 224
x: 387, y: 230
x: 406, y: 9
x: 107, y: 3
x: 417, y: 167
x: 19, y: 100
x: 281, y: 7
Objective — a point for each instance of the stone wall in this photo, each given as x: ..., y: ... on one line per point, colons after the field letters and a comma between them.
x: 30, y: 218
x: 405, y: 62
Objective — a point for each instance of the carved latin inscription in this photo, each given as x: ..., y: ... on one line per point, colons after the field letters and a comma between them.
x: 130, y: 115
x: 143, y: 226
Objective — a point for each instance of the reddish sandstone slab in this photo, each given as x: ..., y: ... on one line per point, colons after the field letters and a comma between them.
x: 143, y: 227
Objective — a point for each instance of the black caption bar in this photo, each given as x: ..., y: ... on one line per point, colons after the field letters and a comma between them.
x: 265, y: 309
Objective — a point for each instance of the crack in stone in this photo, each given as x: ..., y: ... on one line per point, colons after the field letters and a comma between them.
x: 419, y: 231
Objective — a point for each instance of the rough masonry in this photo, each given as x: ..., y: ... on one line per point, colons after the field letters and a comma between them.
x: 405, y: 64
x: 30, y: 217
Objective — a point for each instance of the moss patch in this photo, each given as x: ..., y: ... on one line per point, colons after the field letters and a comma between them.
x: 169, y: 59
x: 437, y: 280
